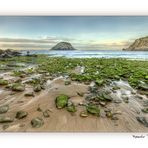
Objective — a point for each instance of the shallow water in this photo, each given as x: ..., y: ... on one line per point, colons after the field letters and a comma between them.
x: 94, y: 54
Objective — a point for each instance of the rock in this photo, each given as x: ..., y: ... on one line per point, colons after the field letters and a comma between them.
x: 4, y: 109
x: 145, y: 103
x: 29, y: 94
x: 20, y: 101
x: 43, y: 87
x: 145, y: 110
x: 102, y: 103
x: 116, y: 87
x: 5, y: 126
x: 142, y: 120
x: 99, y: 82
x: 140, y: 44
x: 103, y: 96
x: 9, y: 53
x: 117, y: 101
x: 22, y: 75
x: 46, y: 113
x: 114, y: 118
x: 39, y: 109
x: 87, y: 83
x: 117, y: 112
x: 37, y: 122
x: 67, y: 82
x: 37, y: 88
x: 81, y: 94
x: 83, y: 114
x: 71, y: 108
x: 21, y: 114
x: 143, y: 86
x: 126, y: 99
x: 139, y: 97
x: 63, y: 46
x: 143, y: 92
x: 5, y: 119
x: 109, y: 114
x: 17, y: 80
x: 93, y: 109
x: 18, y: 87
x: 61, y: 101
x: 93, y: 89
x: 3, y: 82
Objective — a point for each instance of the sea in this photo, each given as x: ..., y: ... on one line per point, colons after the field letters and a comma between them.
x: 141, y: 55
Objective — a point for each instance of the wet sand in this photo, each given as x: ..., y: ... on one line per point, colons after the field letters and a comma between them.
x: 61, y: 120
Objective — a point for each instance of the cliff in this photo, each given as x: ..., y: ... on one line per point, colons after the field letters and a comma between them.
x: 140, y: 44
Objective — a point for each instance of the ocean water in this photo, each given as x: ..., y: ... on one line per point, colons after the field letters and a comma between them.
x: 93, y: 54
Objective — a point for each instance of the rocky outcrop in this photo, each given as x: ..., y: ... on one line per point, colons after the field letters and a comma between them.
x: 140, y: 44
x: 63, y: 46
x: 9, y: 53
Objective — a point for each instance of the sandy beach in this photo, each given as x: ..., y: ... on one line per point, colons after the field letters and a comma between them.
x: 118, y: 115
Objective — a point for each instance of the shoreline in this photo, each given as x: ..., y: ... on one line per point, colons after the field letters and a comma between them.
x: 107, y: 101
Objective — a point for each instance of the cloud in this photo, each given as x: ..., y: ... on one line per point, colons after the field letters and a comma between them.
x: 47, y: 42
x: 23, y: 40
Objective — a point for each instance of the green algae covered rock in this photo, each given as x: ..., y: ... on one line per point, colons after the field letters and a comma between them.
x: 18, y: 87
x: 145, y: 110
x: 61, y: 101
x: 3, y: 82
x: 104, y: 96
x: 93, y: 109
x: 99, y: 82
x: 71, y: 108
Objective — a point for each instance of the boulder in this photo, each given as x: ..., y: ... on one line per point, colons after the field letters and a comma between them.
x: 37, y: 122
x: 143, y: 121
x: 71, y: 108
x: 93, y: 109
x: 61, y: 101
x: 37, y: 88
x: 83, y: 114
x: 21, y: 114
x: 3, y: 82
x: 46, y: 113
x: 5, y: 119
x: 29, y: 94
x: 4, y: 109
x: 18, y: 87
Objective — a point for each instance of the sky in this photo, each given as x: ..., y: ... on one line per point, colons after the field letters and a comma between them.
x: 83, y: 32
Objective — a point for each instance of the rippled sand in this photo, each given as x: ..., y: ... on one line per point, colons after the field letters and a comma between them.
x: 63, y: 121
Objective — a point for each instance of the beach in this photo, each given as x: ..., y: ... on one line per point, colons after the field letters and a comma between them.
x: 101, y: 95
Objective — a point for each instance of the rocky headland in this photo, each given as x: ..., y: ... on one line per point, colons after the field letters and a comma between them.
x: 140, y: 44
x: 9, y: 53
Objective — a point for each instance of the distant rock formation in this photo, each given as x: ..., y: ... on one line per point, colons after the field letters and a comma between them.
x: 140, y: 44
x: 9, y: 53
x: 63, y: 46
